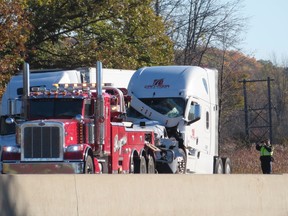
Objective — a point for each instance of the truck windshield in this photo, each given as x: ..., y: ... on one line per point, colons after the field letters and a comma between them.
x: 55, y: 108
x: 170, y: 107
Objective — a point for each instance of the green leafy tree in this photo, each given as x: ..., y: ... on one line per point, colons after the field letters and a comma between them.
x: 124, y: 34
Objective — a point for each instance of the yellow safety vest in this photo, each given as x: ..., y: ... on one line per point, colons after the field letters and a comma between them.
x: 265, y: 152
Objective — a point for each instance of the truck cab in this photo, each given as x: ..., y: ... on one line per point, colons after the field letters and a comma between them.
x: 184, y: 99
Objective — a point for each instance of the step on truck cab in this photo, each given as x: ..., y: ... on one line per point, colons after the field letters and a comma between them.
x: 184, y: 99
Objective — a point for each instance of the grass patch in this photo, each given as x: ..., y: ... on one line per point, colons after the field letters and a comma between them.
x: 245, y: 160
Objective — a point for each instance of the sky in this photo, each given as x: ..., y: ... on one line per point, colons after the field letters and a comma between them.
x: 267, y: 30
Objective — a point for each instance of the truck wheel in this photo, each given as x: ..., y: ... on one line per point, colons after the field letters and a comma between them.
x: 89, y: 166
x: 181, y: 169
x: 150, y: 165
x: 218, y: 166
x: 136, y: 165
x: 227, y: 165
x: 143, y: 167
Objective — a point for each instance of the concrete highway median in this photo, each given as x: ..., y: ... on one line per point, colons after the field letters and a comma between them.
x: 81, y: 195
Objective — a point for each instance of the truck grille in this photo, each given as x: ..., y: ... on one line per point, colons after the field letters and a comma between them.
x: 42, y: 142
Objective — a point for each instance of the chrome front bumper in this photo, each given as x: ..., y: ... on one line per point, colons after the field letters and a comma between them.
x: 43, y: 168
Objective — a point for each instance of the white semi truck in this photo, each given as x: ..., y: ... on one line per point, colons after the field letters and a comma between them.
x: 184, y: 99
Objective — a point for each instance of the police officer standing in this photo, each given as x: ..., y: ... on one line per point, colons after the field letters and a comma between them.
x: 266, y: 152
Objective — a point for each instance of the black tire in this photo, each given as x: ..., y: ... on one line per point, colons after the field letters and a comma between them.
x: 218, y: 166
x: 227, y: 166
x: 136, y: 161
x: 181, y: 168
x: 150, y: 165
x: 143, y: 166
x: 89, y: 166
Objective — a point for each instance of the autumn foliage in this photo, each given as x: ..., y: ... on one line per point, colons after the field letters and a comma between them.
x: 14, y: 28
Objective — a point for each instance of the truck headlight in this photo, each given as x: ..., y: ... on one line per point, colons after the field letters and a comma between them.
x: 74, y: 148
x: 12, y: 149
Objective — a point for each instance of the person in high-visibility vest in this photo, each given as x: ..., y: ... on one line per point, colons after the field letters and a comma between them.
x: 266, y: 155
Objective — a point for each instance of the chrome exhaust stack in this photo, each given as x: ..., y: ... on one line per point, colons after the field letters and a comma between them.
x: 99, y: 108
x: 26, y: 89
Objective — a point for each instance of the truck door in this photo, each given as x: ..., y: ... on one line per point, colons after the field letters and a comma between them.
x: 196, y: 131
x: 188, y: 128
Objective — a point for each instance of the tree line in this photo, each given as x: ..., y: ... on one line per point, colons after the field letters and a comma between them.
x: 130, y: 34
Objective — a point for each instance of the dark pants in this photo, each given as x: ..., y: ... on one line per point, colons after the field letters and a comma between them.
x: 266, y: 164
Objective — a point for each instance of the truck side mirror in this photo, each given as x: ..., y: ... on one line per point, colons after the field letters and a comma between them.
x: 9, y: 120
x: 79, y: 118
x: 7, y: 125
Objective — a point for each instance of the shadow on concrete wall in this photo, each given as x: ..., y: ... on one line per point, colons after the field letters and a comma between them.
x: 8, y: 197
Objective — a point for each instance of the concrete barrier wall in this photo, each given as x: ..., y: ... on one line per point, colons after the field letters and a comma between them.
x: 81, y: 195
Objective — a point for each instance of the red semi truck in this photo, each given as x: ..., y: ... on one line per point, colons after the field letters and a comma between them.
x: 80, y: 128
